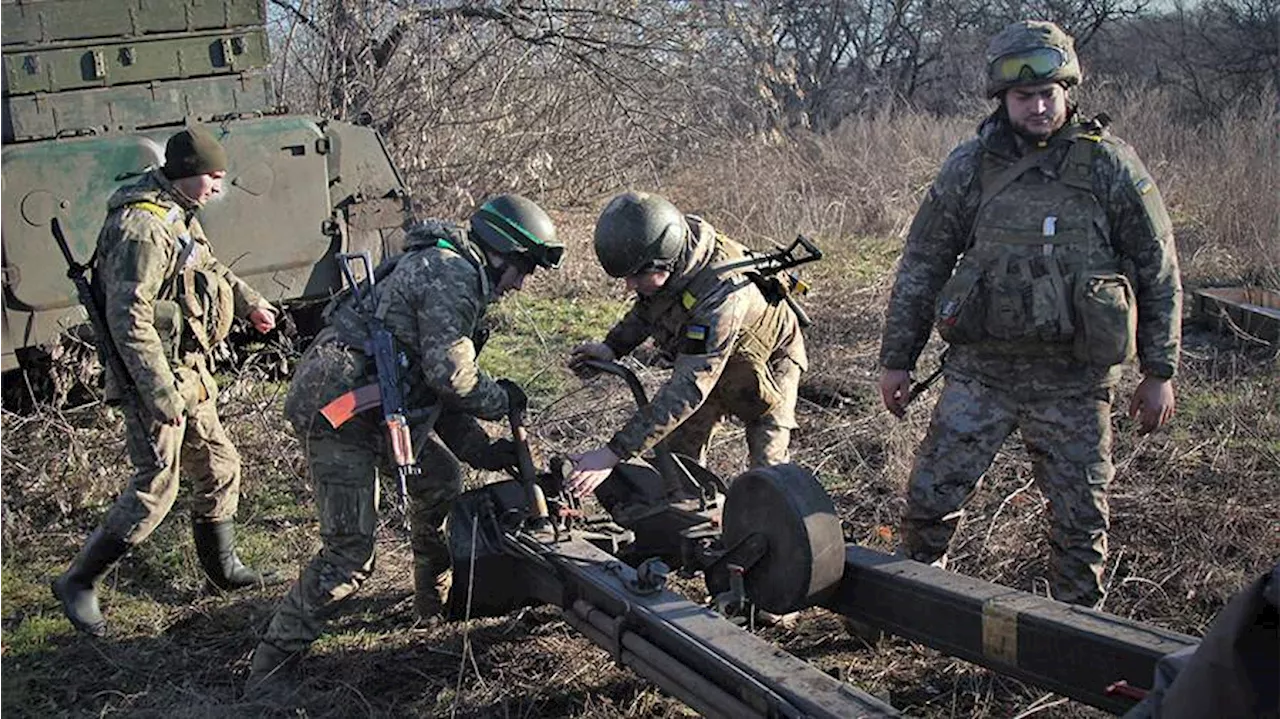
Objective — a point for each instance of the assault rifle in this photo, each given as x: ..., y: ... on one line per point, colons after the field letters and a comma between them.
x: 766, y: 271
x: 112, y: 362
x: 387, y: 392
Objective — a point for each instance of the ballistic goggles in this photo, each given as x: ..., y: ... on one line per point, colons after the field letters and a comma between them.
x: 1038, y: 65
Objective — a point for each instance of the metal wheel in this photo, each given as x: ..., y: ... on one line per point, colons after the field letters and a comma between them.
x: 805, y: 557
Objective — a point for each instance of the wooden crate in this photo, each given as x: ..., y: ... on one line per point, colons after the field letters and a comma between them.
x: 1251, y: 310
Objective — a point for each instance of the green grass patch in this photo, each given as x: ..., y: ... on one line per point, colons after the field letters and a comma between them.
x: 26, y: 584
x: 855, y: 261
x: 36, y: 633
x: 531, y: 340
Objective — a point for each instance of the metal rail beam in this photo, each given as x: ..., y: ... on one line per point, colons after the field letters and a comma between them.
x: 680, y: 645
x: 1070, y: 650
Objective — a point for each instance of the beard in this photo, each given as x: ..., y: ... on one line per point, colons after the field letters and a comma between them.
x: 1031, y: 135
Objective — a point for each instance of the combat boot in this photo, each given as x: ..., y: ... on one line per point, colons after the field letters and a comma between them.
x: 269, y: 674
x: 75, y: 588
x: 216, y: 550
x: 430, y: 591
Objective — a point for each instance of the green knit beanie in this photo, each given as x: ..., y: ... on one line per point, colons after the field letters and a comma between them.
x: 194, y: 151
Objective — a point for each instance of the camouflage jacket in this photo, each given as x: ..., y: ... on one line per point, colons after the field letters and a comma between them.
x: 433, y: 300
x: 1140, y: 234
x: 149, y: 250
x: 702, y: 319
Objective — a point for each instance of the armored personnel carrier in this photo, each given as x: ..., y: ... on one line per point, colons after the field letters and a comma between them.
x: 94, y: 88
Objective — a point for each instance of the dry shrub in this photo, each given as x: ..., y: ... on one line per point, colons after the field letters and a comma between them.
x: 1220, y: 179
x: 863, y: 179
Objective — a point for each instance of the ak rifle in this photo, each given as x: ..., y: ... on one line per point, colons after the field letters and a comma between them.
x: 388, y: 391
x: 771, y: 273
x: 112, y: 362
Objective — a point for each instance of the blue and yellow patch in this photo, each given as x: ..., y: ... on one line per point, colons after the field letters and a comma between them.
x: 695, y: 339
x: 1144, y: 185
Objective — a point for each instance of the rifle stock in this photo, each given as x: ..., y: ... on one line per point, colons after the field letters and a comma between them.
x: 112, y: 362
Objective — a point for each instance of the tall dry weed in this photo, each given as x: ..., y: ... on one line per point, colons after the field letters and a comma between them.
x: 1220, y: 180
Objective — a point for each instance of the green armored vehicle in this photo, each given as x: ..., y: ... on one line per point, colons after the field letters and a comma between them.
x: 94, y: 88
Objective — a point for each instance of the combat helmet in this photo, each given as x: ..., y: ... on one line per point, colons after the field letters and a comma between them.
x: 638, y: 231
x: 1028, y: 53
x: 515, y: 225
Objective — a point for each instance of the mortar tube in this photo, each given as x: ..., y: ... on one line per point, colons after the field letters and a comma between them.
x: 648, y: 660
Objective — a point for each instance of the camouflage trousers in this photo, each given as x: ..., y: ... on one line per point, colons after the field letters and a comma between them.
x: 1069, y: 440
x: 768, y: 434
x: 199, y: 446
x: 345, y: 465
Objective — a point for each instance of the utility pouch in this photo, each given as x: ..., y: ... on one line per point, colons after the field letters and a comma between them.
x: 1009, y: 305
x: 222, y: 307
x: 961, y: 306
x: 167, y: 319
x: 1106, y: 320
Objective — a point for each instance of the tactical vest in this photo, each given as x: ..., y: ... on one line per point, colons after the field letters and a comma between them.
x: 746, y: 378
x: 195, y: 306
x: 1040, y: 276
x: 347, y: 319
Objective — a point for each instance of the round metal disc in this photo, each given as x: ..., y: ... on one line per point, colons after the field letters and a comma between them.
x: 805, y: 555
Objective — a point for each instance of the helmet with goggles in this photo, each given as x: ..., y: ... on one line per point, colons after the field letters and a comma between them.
x: 1031, y: 52
x: 639, y: 232
x: 515, y: 227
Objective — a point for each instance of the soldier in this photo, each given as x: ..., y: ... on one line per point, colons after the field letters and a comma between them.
x: 432, y: 298
x: 734, y: 352
x: 168, y: 301
x: 1063, y: 244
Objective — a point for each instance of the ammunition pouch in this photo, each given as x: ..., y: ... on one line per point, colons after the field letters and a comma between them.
x: 1027, y: 305
x: 167, y: 319
x: 208, y: 303
x: 961, y: 306
x: 1107, y: 320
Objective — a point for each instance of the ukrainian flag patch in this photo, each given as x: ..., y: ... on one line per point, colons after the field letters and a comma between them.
x: 1144, y: 185
x: 695, y: 339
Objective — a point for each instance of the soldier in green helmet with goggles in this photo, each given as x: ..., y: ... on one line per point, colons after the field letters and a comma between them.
x: 432, y: 298
x: 1043, y: 254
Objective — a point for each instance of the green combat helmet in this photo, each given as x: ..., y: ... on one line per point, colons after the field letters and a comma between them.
x: 1031, y: 52
x: 515, y: 225
x: 638, y: 231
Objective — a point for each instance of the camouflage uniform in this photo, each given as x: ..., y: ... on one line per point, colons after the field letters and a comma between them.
x: 734, y: 354
x: 168, y: 301
x: 1046, y: 388
x: 433, y: 302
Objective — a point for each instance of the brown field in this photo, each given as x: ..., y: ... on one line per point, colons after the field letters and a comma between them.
x: 1195, y: 508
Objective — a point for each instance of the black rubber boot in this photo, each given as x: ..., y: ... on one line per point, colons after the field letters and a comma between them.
x: 75, y: 588
x: 216, y: 549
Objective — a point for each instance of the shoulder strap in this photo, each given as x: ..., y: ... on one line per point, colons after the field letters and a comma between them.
x: 1007, y: 177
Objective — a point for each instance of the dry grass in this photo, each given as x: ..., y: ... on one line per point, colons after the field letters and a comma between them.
x: 1194, y: 508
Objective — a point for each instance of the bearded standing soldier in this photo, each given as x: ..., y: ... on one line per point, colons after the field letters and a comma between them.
x: 432, y: 298
x: 1041, y: 245
x: 168, y: 301
x: 733, y: 352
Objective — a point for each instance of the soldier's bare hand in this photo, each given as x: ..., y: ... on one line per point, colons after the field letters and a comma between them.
x: 589, y: 470
x: 263, y: 319
x: 895, y: 390
x: 1152, y: 403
